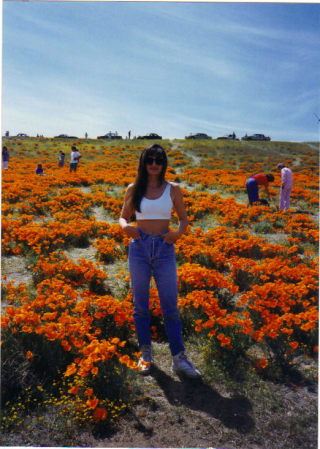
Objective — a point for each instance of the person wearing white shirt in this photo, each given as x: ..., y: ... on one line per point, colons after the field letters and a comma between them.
x: 74, y: 159
x: 286, y: 186
x: 152, y: 254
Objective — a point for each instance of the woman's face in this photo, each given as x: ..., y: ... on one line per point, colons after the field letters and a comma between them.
x: 154, y: 164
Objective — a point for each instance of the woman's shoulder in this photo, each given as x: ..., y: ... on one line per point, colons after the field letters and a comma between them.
x: 130, y: 189
x: 174, y: 186
x: 175, y: 190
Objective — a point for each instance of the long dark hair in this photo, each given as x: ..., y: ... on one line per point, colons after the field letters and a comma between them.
x: 141, y: 181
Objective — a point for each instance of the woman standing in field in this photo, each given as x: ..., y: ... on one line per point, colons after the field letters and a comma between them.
x: 286, y: 186
x: 61, y: 158
x: 151, y: 252
x: 5, y: 158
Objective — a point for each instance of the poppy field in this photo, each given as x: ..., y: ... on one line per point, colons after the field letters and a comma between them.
x: 248, y: 277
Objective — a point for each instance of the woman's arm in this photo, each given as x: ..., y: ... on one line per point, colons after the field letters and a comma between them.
x: 178, y: 204
x: 126, y: 214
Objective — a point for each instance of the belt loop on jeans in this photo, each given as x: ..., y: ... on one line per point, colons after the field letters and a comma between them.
x: 144, y: 235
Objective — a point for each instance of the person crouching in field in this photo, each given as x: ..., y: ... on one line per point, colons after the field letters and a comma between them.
x: 39, y: 170
x: 74, y: 159
x: 151, y: 252
x: 253, y: 183
x: 286, y: 186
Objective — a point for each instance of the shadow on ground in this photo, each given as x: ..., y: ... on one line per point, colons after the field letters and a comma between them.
x: 196, y: 395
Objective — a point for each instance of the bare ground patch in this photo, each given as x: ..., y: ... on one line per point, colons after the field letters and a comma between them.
x: 174, y: 412
x: 168, y: 411
x: 15, y: 269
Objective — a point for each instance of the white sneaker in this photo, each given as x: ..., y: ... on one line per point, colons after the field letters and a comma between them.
x: 145, y: 360
x: 181, y: 365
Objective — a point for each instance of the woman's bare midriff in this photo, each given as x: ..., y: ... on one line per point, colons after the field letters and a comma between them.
x: 153, y: 226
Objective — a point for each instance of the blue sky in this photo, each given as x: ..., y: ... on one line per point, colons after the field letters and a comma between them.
x: 167, y: 67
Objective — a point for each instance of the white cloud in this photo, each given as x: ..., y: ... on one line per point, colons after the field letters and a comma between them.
x: 156, y: 67
x: 188, y: 55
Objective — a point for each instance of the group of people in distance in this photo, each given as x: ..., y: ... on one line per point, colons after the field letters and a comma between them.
x: 74, y: 160
x: 253, y: 183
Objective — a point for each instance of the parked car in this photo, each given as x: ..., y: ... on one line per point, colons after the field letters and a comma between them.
x: 22, y: 135
x: 198, y: 136
x: 65, y: 136
x: 110, y: 135
x: 256, y: 137
x: 151, y: 136
x: 228, y: 137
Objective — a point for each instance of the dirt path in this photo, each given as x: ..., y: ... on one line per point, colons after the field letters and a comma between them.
x: 15, y: 270
x: 266, y: 148
x: 314, y: 146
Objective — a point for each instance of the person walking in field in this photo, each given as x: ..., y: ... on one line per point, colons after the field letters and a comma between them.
x: 253, y: 183
x: 5, y: 158
x: 286, y: 186
x: 151, y: 252
x: 74, y: 159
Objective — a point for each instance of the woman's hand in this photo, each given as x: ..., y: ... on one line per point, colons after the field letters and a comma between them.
x: 126, y: 213
x: 132, y: 231
x: 171, y: 236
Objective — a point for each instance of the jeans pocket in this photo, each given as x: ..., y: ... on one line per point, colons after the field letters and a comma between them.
x: 166, y: 244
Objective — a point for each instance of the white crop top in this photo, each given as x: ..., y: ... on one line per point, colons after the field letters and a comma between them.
x: 158, y: 209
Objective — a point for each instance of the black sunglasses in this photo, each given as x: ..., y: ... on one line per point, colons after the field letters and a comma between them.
x: 158, y: 160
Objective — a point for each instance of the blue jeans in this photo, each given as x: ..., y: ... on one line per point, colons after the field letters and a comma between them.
x: 151, y: 255
x: 252, y: 190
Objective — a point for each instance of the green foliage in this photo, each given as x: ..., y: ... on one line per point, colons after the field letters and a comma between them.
x: 18, y: 373
x: 231, y: 359
x: 263, y: 227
